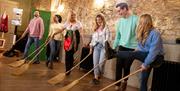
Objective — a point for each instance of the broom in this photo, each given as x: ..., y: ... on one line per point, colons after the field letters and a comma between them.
x: 25, y: 67
x: 69, y: 86
x: 121, y: 79
x: 58, y: 78
x: 22, y: 61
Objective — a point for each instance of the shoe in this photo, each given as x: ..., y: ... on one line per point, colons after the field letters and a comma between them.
x: 67, y: 74
x: 47, y: 63
x: 117, y: 88
x: 123, y: 86
x: 110, y: 53
x: 95, y: 82
x: 36, y: 62
x: 51, y: 65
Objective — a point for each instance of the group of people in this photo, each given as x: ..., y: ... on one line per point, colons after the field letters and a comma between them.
x: 136, y: 38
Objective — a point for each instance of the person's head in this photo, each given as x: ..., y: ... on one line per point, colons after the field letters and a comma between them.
x: 36, y: 14
x: 144, y: 27
x: 122, y: 9
x: 71, y: 16
x: 100, y: 21
x: 57, y: 18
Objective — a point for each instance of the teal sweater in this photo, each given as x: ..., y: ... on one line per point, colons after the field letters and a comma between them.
x: 125, y: 32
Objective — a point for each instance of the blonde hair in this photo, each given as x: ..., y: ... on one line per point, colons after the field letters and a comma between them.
x: 71, y: 12
x: 96, y: 24
x: 144, y: 27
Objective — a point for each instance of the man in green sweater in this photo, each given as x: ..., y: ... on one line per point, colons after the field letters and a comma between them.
x: 124, y: 41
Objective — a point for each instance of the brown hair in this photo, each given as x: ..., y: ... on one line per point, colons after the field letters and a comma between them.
x: 144, y: 27
x: 96, y: 24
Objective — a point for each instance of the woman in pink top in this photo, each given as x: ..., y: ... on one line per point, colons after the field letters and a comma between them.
x: 35, y: 30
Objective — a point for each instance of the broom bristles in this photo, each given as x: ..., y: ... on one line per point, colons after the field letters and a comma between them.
x: 17, y: 63
x: 57, y: 79
x: 20, y: 70
x: 69, y: 86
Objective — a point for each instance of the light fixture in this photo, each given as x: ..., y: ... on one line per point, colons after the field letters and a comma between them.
x: 60, y: 8
x: 99, y: 3
x: 57, y: 6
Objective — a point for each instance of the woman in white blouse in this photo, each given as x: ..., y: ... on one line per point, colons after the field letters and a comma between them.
x: 100, y: 36
x: 73, y: 28
x: 56, y: 39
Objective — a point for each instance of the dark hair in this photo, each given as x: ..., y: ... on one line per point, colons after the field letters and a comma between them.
x: 59, y: 18
x: 122, y: 6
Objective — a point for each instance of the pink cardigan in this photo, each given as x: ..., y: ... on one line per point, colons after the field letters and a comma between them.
x: 36, y: 27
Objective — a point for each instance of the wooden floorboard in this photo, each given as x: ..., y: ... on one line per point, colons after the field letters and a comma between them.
x: 35, y: 79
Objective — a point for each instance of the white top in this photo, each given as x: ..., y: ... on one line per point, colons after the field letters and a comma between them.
x: 55, y: 27
x: 100, y: 36
x: 73, y: 27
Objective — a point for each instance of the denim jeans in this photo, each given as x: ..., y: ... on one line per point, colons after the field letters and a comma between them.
x: 28, y: 45
x: 54, y: 49
x: 98, y: 57
x: 139, y: 55
x: 122, y: 65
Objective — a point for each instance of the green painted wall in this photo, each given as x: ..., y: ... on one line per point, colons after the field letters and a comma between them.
x: 46, y: 16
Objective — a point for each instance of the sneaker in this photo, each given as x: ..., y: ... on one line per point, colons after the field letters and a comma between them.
x: 51, y: 65
x: 110, y: 53
x: 95, y: 82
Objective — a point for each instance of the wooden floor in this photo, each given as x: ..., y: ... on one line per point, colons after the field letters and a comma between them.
x: 35, y: 79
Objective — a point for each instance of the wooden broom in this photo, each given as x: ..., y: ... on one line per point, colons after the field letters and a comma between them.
x: 121, y: 79
x: 22, y: 61
x: 25, y: 66
x: 72, y: 84
x: 58, y: 78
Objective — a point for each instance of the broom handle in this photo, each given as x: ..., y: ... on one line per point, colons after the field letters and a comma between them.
x: 78, y: 63
x: 90, y: 71
x: 121, y: 79
x: 35, y: 50
x: 39, y: 52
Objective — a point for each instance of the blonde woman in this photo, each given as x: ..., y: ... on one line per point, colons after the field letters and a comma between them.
x: 73, y: 27
x: 149, y: 49
x: 100, y: 36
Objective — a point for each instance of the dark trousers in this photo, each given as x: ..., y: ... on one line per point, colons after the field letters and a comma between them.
x: 139, y: 55
x: 122, y: 65
x: 69, y: 59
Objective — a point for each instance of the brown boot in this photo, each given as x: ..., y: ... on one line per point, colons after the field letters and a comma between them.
x: 123, y: 86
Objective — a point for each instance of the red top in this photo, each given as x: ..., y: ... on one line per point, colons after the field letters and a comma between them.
x: 4, y: 24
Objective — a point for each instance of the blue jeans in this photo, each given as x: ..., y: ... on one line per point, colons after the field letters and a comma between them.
x: 28, y: 45
x: 54, y: 49
x: 139, y: 55
x: 98, y: 57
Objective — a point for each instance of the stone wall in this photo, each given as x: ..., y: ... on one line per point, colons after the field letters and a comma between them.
x: 26, y: 6
x: 164, y: 12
